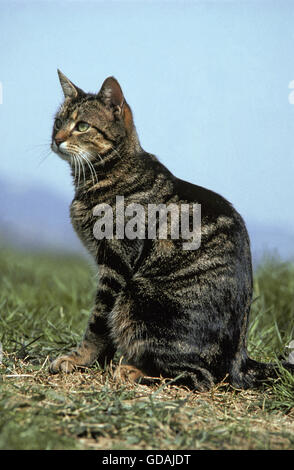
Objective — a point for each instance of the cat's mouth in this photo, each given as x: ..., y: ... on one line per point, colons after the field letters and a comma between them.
x: 60, y: 150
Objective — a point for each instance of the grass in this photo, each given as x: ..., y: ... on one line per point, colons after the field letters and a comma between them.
x: 45, y: 301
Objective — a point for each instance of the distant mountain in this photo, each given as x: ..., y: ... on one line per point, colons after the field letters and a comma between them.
x: 36, y: 217
x: 270, y: 239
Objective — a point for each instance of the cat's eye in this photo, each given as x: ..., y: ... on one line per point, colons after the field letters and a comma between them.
x: 58, y: 124
x: 82, y: 126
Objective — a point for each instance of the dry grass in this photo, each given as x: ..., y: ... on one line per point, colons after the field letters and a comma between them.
x: 89, y: 410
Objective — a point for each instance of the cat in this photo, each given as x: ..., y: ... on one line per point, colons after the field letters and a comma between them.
x: 174, y: 313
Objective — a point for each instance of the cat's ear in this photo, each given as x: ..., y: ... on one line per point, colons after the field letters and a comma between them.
x: 69, y: 89
x: 112, y: 96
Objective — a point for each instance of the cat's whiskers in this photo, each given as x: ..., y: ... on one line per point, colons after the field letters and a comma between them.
x: 44, y: 145
x: 118, y: 154
x: 73, y: 158
x: 44, y: 150
x: 45, y: 154
x: 80, y: 158
x: 85, y: 156
x: 81, y: 168
x: 92, y: 168
x: 101, y: 159
x: 81, y: 164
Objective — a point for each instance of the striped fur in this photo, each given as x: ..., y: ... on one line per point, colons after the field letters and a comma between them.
x: 168, y: 311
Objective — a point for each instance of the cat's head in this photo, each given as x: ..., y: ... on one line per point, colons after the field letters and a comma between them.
x: 89, y: 126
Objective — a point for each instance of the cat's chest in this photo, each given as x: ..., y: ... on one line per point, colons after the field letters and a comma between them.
x: 83, y: 221
x: 84, y: 218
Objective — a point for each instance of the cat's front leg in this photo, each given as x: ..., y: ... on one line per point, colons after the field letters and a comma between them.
x: 96, y: 344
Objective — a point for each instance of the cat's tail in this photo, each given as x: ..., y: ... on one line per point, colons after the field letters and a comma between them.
x: 253, y: 374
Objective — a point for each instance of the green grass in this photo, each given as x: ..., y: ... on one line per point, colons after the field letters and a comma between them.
x: 45, y: 301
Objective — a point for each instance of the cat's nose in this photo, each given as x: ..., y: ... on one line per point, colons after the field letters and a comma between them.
x: 59, y: 140
x: 60, y: 137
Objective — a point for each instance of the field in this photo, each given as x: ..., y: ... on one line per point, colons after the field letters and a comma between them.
x: 45, y: 301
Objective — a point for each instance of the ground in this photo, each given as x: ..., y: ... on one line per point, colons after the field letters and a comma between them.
x: 45, y: 301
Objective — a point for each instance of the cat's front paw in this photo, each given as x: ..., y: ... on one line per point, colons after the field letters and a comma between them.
x: 127, y: 373
x: 65, y: 363
x: 83, y: 356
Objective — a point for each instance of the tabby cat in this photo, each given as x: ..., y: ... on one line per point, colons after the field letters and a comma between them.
x: 170, y: 312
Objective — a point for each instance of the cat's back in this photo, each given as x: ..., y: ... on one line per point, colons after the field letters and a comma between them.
x: 213, y: 205
x: 221, y: 224
x: 224, y: 242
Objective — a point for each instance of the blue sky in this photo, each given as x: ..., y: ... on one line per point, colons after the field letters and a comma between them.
x: 207, y: 82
